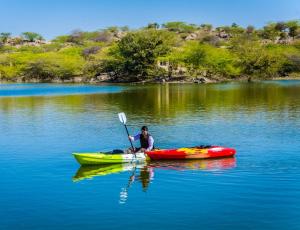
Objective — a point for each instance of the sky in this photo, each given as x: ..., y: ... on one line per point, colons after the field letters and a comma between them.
x: 58, y: 17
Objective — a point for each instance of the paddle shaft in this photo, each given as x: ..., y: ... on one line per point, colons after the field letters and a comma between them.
x: 129, y: 138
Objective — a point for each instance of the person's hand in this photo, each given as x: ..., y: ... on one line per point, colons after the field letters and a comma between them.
x: 132, y: 150
x: 130, y: 138
x: 142, y: 150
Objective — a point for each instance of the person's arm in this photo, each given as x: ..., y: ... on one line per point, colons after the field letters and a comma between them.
x: 150, y: 143
x: 135, y: 138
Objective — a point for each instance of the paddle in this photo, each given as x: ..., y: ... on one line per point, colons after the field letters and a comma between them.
x: 122, y: 118
x: 124, y: 191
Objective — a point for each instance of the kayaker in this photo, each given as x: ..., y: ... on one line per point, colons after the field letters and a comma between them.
x: 145, y: 138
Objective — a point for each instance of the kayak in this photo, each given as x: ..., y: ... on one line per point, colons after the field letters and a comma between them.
x: 107, y: 158
x: 198, y: 152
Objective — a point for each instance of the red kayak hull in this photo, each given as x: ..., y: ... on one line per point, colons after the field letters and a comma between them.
x: 191, y: 153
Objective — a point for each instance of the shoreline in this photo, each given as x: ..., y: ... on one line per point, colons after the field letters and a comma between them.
x: 201, y: 80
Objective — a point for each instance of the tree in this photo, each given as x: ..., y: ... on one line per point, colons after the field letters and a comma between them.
x: 231, y: 31
x: 206, y: 27
x: 235, y: 29
x: 194, y: 55
x: 136, y: 53
x: 206, y: 59
x: 294, y: 31
x: 280, y: 26
x: 283, y: 36
x: 180, y: 27
x: 4, y: 37
x: 32, y: 36
x: 255, y: 59
x: 269, y: 32
x: 250, y: 29
x: 154, y: 25
x: 293, y: 27
x: 234, y: 25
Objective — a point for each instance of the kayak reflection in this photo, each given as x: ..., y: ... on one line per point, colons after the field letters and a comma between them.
x: 144, y: 172
x: 88, y: 172
x: 208, y: 164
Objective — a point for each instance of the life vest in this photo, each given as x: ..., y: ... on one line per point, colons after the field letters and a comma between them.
x: 144, y: 141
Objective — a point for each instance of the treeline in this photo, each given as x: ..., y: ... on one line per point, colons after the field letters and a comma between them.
x: 174, y: 50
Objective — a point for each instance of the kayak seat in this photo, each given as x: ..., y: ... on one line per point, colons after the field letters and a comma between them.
x: 203, y: 147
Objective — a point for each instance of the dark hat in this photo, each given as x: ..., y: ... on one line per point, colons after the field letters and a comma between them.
x: 145, y: 128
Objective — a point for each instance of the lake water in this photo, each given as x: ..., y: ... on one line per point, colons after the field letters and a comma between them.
x: 43, y: 187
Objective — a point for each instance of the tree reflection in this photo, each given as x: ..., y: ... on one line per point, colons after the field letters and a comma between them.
x: 160, y: 103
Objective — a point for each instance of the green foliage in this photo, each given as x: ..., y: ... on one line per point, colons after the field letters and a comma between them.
x: 250, y: 29
x: 41, y: 65
x: 194, y: 55
x: 232, y: 31
x: 212, y: 40
x: 4, y: 36
x: 201, y: 58
x: 52, y: 65
x: 224, y: 52
x: 269, y: 32
x: 61, y: 39
x: 112, y: 29
x: 206, y: 27
x: 8, y: 72
x: 289, y: 56
x: 135, y: 55
x: 180, y: 27
x: 32, y: 36
x: 256, y: 59
x: 33, y: 49
x: 71, y: 51
x: 154, y: 25
x: 294, y: 28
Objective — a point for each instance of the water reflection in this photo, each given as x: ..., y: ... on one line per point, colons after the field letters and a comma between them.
x: 88, y: 172
x: 171, y: 100
x: 206, y: 164
x: 143, y: 173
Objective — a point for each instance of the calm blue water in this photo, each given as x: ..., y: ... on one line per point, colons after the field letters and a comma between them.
x: 33, y: 89
x: 43, y: 187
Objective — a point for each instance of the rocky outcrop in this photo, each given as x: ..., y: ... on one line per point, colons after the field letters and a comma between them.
x: 19, y: 41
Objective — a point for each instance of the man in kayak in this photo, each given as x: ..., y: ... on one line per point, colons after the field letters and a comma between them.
x: 145, y: 138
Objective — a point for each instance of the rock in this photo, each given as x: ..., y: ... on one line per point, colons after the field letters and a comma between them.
x: 78, y: 79
x: 103, y: 77
x: 192, y: 36
x: 201, y: 80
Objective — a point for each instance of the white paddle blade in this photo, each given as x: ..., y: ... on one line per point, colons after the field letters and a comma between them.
x: 122, y: 118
